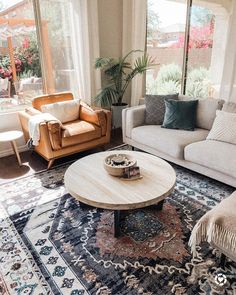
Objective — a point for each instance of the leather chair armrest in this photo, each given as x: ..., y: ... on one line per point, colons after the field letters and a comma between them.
x: 24, y: 119
x: 54, y: 129
x: 87, y: 114
x: 95, y: 116
x: 108, y: 123
x: 32, y: 111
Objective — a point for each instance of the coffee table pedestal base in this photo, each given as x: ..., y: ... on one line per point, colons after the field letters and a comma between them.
x: 116, y: 223
x: 117, y: 214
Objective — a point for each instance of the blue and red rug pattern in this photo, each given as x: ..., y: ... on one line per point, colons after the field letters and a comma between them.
x: 50, y: 245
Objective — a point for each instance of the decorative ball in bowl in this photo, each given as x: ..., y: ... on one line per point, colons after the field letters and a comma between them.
x: 115, y: 164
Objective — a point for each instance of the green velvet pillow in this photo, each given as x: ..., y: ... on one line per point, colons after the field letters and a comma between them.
x: 180, y: 114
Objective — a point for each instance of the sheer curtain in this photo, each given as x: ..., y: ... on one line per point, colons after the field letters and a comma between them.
x: 134, y: 37
x: 85, y: 48
x: 228, y: 84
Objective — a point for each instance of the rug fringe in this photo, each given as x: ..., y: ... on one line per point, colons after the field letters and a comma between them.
x: 213, y: 233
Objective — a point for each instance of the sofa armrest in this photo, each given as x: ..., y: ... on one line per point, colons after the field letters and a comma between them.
x: 131, y: 118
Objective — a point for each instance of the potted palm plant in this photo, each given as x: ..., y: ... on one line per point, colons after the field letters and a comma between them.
x: 119, y: 73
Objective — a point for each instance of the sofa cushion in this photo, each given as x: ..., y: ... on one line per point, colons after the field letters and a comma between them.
x: 180, y: 114
x: 168, y: 141
x: 155, y: 108
x: 78, y: 132
x: 64, y: 111
x: 216, y: 155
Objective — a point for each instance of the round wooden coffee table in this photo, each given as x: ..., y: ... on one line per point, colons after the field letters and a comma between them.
x: 88, y: 181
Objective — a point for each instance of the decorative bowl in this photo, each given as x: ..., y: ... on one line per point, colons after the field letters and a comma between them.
x: 115, y: 164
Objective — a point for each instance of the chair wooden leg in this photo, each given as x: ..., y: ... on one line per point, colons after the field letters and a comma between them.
x: 50, y: 163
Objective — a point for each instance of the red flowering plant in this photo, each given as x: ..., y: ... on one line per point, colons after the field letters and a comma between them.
x: 28, y: 54
x: 26, y: 60
x: 200, y: 37
x: 5, y: 68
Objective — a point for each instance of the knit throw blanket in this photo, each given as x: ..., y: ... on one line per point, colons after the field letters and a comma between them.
x: 218, y: 227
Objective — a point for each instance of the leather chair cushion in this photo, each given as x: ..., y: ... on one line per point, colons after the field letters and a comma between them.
x: 79, y: 131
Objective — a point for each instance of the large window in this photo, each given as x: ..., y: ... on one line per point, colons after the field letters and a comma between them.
x: 57, y: 50
x: 187, y: 39
x: 20, y: 69
x: 35, y: 51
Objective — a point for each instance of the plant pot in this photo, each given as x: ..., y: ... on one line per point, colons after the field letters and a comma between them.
x: 117, y: 114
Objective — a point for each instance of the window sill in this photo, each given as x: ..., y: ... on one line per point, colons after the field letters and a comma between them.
x: 11, y: 105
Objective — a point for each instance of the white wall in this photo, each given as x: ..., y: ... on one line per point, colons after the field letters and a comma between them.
x: 110, y: 17
x: 10, y: 121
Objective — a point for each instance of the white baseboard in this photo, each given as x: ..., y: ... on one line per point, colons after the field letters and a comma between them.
x: 9, y: 152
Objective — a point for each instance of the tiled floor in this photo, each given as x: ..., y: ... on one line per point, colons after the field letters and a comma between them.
x: 32, y: 162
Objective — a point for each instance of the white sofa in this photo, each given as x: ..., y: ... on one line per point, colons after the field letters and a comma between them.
x: 189, y: 149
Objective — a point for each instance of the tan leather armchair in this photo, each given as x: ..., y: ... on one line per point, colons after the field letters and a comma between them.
x: 92, y: 129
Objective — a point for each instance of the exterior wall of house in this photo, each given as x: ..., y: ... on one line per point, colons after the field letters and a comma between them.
x: 21, y: 10
x: 197, y: 56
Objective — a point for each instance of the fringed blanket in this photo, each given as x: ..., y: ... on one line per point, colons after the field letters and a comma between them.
x: 218, y: 227
x: 34, y: 123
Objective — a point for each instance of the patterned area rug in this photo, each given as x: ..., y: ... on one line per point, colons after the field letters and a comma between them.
x: 50, y: 245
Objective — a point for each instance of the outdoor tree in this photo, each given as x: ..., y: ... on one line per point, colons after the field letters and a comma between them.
x: 201, y: 16
x: 201, y: 30
x: 153, y: 22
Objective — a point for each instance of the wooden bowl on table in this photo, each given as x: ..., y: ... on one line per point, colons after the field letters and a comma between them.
x: 115, y: 164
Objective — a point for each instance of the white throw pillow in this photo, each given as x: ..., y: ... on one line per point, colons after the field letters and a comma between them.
x: 64, y: 111
x: 224, y: 127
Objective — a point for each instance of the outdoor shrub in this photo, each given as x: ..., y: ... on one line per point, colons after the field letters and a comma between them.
x: 198, y: 83
x: 199, y: 74
x: 170, y: 72
x: 169, y: 87
x: 169, y: 81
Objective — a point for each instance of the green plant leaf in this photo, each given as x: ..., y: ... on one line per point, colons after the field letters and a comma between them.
x: 103, y: 62
x: 106, y: 96
x: 120, y: 73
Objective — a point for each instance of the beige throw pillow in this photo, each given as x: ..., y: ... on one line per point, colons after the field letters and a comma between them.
x: 224, y: 127
x: 64, y: 111
x: 206, y: 110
